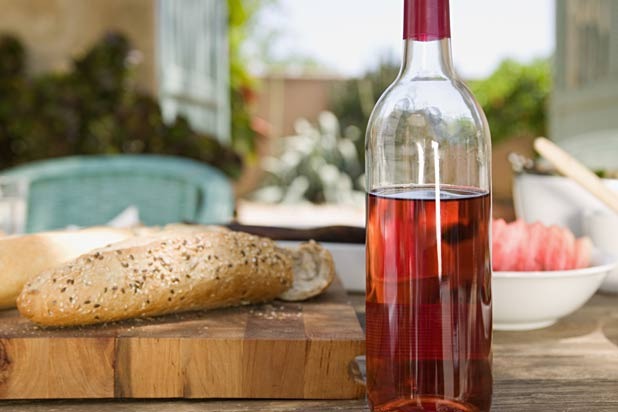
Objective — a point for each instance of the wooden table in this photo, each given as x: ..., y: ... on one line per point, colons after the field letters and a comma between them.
x: 572, y: 366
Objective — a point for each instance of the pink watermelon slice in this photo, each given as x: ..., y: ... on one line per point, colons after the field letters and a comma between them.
x: 583, y: 250
x: 519, y: 246
x: 531, y: 251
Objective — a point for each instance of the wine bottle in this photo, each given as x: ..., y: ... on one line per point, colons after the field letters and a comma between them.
x: 428, y: 303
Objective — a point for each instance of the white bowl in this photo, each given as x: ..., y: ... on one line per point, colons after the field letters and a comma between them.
x: 533, y: 300
x: 555, y: 200
x: 349, y: 262
x: 602, y: 229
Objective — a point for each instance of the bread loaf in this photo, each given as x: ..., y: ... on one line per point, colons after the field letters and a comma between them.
x: 165, y: 273
x: 25, y: 256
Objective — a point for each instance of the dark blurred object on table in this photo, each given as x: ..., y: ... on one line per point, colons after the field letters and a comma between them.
x: 337, y: 234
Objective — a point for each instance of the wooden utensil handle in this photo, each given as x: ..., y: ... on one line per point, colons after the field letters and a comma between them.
x: 572, y: 168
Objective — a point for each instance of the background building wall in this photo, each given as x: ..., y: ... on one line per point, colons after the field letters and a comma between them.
x: 585, y: 93
x: 281, y: 100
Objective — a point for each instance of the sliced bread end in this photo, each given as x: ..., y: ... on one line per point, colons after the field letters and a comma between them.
x: 314, y: 271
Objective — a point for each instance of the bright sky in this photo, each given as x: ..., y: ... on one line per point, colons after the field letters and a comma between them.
x: 349, y: 36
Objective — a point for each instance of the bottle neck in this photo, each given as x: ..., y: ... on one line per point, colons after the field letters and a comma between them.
x: 427, y: 59
x: 427, y: 44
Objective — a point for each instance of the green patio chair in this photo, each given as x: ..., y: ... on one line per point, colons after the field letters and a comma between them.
x: 91, y: 190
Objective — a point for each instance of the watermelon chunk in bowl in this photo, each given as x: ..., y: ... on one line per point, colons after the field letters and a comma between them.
x: 541, y: 274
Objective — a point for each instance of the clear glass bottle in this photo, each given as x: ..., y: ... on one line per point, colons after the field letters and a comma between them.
x: 428, y: 305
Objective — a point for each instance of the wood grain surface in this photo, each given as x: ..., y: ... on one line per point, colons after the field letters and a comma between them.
x: 510, y: 396
x: 276, y: 350
x: 571, y: 366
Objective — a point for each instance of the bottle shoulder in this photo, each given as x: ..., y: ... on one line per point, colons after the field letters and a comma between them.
x: 442, y: 106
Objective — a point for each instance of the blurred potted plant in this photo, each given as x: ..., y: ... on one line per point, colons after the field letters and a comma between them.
x: 319, y: 164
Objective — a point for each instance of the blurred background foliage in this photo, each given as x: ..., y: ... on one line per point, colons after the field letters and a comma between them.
x: 242, y: 83
x: 515, y: 98
x: 93, y: 108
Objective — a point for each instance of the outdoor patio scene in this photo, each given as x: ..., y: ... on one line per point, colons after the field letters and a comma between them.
x: 145, y: 141
x: 284, y: 131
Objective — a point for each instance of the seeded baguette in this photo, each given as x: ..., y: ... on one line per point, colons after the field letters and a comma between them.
x: 22, y: 257
x: 156, y: 275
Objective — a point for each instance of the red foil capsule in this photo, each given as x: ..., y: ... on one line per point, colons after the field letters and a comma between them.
x: 426, y: 20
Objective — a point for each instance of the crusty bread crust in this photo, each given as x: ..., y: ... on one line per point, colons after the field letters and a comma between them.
x: 24, y: 256
x: 164, y: 273
x: 314, y: 271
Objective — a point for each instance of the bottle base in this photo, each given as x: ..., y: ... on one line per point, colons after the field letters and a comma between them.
x: 425, y: 404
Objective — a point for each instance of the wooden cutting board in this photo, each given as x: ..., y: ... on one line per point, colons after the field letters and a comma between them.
x: 277, y: 350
